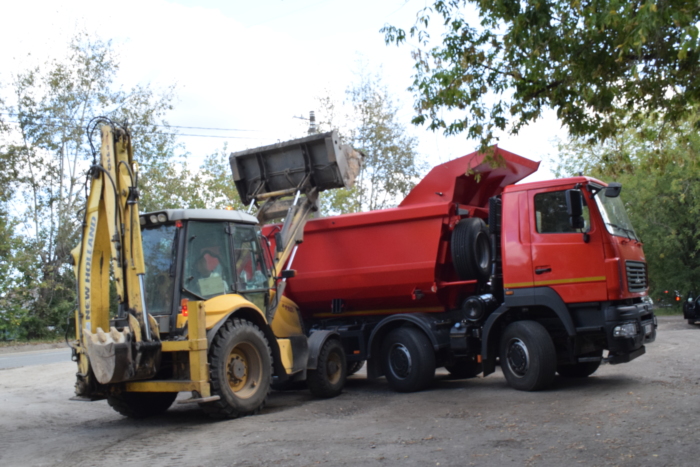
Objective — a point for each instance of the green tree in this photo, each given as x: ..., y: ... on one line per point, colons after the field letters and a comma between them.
x: 659, y: 168
x: 217, y: 189
x: 175, y: 185
x: 391, y: 165
x: 46, y: 144
x: 602, y: 65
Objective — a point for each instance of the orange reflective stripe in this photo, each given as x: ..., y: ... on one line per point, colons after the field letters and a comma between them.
x: 555, y: 282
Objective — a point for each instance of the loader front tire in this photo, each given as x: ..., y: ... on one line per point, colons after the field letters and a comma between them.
x: 141, y: 404
x: 240, y: 370
x: 328, y: 379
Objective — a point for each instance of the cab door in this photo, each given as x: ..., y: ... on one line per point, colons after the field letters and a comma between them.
x: 561, y: 257
x: 251, y: 273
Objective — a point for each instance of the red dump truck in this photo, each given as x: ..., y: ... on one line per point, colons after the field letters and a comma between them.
x: 471, y: 270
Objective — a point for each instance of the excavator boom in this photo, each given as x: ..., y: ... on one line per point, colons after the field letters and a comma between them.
x: 111, y: 249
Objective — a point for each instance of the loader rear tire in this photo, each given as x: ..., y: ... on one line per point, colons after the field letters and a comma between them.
x: 240, y: 370
x: 141, y: 404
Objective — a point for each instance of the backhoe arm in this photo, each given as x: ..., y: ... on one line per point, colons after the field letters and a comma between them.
x: 111, y: 243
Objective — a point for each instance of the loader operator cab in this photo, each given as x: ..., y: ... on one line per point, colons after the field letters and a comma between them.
x: 198, y: 254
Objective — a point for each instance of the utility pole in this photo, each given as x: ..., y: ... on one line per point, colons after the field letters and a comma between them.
x: 313, y: 129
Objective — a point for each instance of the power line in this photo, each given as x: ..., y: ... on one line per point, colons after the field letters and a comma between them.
x: 63, y: 120
x: 207, y: 136
x: 55, y: 124
x: 206, y: 128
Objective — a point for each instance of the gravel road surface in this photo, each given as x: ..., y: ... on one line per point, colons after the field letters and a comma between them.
x: 644, y: 413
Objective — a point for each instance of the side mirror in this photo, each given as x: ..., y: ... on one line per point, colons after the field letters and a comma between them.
x: 288, y: 274
x: 574, y: 207
x: 613, y: 190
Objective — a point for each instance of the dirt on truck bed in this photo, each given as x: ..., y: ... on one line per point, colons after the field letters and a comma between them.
x: 646, y: 412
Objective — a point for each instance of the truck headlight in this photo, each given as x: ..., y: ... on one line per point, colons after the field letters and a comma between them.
x: 626, y: 330
x: 476, y: 307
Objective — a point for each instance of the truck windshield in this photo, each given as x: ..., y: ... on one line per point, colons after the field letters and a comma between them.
x: 615, y: 216
x: 159, y: 252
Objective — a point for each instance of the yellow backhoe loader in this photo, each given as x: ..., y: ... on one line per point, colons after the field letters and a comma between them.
x: 200, y: 306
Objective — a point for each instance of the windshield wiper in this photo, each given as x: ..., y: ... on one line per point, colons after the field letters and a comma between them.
x: 626, y: 231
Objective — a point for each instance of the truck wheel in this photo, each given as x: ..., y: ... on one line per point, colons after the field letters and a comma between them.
x: 464, y: 368
x: 528, y: 357
x: 578, y: 370
x: 141, y: 404
x: 408, y: 359
x: 471, y: 249
x: 328, y: 379
x: 240, y: 370
x: 354, y: 367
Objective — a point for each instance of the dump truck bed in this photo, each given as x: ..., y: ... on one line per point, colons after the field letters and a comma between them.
x: 393, y: 260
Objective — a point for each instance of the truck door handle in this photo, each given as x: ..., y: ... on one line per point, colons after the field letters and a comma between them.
x: 543, y: 270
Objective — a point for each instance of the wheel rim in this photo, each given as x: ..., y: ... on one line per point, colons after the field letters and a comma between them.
x: 517, y: 357
x: 244, y: 370
x: 334, y: 368
x: 400, y: 361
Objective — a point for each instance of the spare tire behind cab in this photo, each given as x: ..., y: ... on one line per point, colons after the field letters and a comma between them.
x: 471, y: 250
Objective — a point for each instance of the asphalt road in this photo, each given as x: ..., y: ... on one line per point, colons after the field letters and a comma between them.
x: 39, y: 357
x: 643, y: 413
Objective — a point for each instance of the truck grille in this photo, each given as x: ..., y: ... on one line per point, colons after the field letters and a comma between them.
x: 636, y: 276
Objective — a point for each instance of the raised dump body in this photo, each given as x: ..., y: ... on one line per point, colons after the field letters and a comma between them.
x: 400, y: 259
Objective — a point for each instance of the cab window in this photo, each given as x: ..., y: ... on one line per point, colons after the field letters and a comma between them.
x: 207, y: 260
x: 250, y: 269
x: 551, y: 215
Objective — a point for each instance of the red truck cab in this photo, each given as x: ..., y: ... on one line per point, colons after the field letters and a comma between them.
x: 593, y: 278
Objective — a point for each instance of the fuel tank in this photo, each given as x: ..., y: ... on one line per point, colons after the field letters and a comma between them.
x: 398, y: 260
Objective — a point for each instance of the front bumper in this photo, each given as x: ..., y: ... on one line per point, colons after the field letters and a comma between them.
x: 628, y: 328
x: 691, y: 311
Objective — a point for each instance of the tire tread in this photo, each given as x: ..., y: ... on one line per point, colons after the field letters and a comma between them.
x: 221, y: 409
x: 539, y: 344
x: 318, y: 383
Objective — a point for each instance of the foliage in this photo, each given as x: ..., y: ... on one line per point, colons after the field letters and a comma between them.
x: 217, y: 190
x: 659, y: 168
x: 390, y: 167
x: 602, y: 65
x: 44, y: 146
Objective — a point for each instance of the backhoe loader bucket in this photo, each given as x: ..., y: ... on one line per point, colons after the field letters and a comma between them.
x: 316, y: 161
x: 117, y: 356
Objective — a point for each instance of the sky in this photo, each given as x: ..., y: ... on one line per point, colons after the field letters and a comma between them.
x: 248, y: 67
